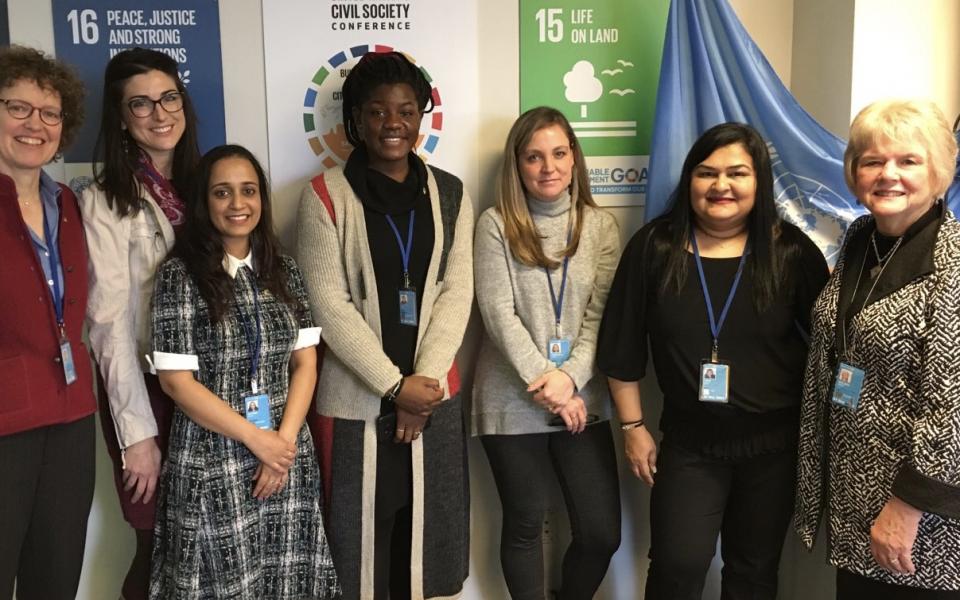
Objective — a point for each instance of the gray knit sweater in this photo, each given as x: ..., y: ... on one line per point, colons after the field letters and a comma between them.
x: 519, y: 320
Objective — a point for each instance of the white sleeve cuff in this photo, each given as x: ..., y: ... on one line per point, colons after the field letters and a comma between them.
x: 308, y: 336
x: 166, y: 361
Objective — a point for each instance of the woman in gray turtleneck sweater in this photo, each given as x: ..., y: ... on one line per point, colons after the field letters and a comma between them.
x: 544, y: 260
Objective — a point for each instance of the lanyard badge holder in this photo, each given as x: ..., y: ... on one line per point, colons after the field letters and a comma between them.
x: 715, y: 373
x: 849, y: 378
x: 558, y: 347
x: 407, y: 294
x: 66, y: 351
x: 256, y: 406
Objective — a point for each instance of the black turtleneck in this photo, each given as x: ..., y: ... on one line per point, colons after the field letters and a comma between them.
x: 382, y: 196
x: 864, y: 291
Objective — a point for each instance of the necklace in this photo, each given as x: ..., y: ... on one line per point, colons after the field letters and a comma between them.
x: 881, y: 260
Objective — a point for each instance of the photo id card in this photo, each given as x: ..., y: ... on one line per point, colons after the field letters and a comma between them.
x: 66, y: 359
x: 408, y: 306
x: 257, y: 409
x: 558, y: 350
x: 714, y: 381
x: 847, y: 386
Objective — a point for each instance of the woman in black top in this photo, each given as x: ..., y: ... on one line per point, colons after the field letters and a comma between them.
x: 722, y: 289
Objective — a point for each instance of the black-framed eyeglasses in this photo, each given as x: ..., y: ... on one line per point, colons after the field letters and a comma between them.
x: 142, y: 107
x: 18, y: 109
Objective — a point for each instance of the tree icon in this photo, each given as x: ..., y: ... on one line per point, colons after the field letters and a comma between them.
x: 582, y: 86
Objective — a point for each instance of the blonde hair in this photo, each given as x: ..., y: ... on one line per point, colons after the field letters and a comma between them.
x: 519, y: 228
x: 904, y: 122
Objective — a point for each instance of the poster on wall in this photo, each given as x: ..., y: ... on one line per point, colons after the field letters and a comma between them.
x: 4, y: 24
x: 598, y: 62
x: 87, y: 33
x: 310, y: 47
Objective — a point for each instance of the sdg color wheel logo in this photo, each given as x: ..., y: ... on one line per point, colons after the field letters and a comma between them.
x: 323, y: 109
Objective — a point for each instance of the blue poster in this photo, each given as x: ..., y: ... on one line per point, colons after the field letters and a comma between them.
x: 4, y: 24
x: 88, y: 32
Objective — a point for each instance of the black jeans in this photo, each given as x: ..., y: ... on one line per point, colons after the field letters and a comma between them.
x: 748, y: 502
x: 586, y: 467
x: 851, y: 586
x: 48, y: 477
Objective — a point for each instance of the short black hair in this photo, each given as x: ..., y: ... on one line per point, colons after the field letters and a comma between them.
x: 376, y: 69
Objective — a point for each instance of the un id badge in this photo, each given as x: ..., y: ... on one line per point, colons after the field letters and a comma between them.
x: 558, y: 350
x: 714, y: 381
x: 848, y: 386
x: 257, y: 409
x: 66, y: 359
x: 408, y: 306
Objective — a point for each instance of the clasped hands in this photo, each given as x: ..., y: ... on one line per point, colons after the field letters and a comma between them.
x: 277, y: 454
x: 555, y: 392
x: 418, y: 398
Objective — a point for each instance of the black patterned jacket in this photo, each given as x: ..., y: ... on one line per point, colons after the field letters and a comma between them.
x: 904, y: 439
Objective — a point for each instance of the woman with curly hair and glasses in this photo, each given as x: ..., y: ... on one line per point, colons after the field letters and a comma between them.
x: 47, y: 403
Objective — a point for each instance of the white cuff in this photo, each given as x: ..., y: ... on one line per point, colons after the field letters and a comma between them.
x: 166, y: 361
x: 308, y: 336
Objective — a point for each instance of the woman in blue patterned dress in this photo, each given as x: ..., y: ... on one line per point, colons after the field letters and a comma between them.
x: 238, y: 514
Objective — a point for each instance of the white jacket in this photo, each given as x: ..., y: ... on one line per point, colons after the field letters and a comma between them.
x: 124, y: 256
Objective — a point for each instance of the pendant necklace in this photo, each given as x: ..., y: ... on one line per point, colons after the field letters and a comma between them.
x: 881, y: 260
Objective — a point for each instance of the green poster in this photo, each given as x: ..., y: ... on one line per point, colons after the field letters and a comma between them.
x: 598, y: 62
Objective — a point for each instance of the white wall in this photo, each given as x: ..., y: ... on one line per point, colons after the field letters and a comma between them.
x: 836, y: 61
x: 906, y: 49
x: 822, y: 60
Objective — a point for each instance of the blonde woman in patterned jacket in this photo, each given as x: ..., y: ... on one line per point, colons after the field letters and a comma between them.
x: 880, y: 427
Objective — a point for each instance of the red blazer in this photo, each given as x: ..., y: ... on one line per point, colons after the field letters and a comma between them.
x: 33, y: 392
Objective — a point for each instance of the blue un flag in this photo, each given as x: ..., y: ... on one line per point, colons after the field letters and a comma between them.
x: 712, y: 72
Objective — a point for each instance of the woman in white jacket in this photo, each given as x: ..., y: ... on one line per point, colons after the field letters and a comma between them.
x: 146, y: 148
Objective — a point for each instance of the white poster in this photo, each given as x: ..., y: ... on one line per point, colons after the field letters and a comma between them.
x: 311, y: 45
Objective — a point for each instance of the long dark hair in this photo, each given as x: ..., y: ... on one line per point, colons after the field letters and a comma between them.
x: 117, y: 151
x: 768, y: 249
x: 375, y: 69
x: 200, y: 246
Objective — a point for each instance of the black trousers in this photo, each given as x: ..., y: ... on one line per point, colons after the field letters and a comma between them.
x: 45, y: 498
x: 747, y: 502
x: 851, y: 586
x: 586, y: 467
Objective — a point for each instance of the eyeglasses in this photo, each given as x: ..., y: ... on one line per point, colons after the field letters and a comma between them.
x: 142, y: 107
x: 18, y: 109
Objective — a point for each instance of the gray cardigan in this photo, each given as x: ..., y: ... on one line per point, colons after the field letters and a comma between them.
x: 518, y: 316
x: 337, y: 267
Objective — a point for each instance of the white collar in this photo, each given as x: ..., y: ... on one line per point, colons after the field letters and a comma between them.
x: 232, y: 264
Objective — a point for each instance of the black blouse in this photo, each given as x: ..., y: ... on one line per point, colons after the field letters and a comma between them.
x: 766, y: 352
x: 383, y: 196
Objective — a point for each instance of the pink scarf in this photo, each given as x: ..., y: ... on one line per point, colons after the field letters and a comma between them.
x: 162, y: 191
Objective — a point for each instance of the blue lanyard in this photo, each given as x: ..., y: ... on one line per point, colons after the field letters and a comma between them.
x: 253, y: 340
x: 405, y: 248
x: 715, y: 325
x: 554, y: 299
x: 54, y: 252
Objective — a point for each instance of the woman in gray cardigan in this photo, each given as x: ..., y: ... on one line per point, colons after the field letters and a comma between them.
x: 544, y: 260
x: 385, y: 245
